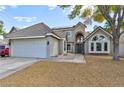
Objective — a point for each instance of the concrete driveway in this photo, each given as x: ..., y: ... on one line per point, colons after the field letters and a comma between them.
x: 10, y: 65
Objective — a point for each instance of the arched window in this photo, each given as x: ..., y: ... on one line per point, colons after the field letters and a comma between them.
x: 99, y: 38
x: 99, y: 44
x: 79, y: 38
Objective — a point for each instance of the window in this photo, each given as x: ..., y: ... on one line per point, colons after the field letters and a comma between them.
x: 99, y: 38
x: 92, y: 46
x: 47, y: 43
x: 105, y: 46
x: 64, y: 46
x: 68, y: 46
x: 98, y: 47
x: 95, y: 38
x: 68, y: 34
x: 79, y: 39
x: 99, y: 44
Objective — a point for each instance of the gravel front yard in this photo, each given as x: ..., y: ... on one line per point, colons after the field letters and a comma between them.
x: 98, y: 71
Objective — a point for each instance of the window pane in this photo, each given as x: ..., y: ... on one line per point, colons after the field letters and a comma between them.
x: 101, y: 38
x: 98, y: 47
x: 68, y: 46
x: 79, y: 39
x: 105, y: 46
x: 95, y: 38
x: 68, y: 34
x: 92, y: 46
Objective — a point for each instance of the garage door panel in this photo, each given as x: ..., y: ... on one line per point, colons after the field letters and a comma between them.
x: 29, y: 48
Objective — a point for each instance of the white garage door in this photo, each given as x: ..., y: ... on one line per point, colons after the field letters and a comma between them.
x: 29, y: 48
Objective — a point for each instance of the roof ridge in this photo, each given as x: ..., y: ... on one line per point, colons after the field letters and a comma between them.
x: 61, y: 27
x: 49, y: 29
x: 79, y: 23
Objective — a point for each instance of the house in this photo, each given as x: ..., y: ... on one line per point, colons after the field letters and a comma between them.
x: 43, y: 42
x: 3, y: 44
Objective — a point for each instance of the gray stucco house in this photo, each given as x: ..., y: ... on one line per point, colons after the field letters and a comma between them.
x: 43, y: 42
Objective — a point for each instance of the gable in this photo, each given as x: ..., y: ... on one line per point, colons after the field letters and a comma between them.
x: 39, y: 29
x: 98, y: 30
x: 61, y: 32
x: 13, y: 29
x: 79, y: 29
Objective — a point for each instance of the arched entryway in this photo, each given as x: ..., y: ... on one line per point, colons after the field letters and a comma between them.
x: 79, y: 44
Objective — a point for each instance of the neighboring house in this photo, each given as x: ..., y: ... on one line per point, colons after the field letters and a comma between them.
x: 43, y: 42
x: 3, y: 44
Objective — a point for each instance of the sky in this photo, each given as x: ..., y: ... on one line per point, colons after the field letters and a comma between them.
x: 25, y: 15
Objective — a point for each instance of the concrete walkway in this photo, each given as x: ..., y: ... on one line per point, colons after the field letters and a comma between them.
x: 10, y: 65
x: 72, y: 58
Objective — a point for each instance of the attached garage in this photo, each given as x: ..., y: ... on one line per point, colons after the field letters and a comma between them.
x: 29, y: 48
x: 37, y: 41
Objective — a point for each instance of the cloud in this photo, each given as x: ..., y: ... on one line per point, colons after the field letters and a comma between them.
x: 2, y: 8
x: 26, y: 19
x: 52, y: 7
x: 24, y: 26
x: 14, y: 6
x: 67, y: 11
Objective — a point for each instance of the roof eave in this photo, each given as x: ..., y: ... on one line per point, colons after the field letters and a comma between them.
x: 26, y: 37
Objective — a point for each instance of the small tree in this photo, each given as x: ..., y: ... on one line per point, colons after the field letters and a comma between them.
x: 112, y: 14
x: 1, y: 28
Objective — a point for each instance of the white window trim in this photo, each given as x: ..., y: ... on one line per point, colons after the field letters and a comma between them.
x: 103, y: 42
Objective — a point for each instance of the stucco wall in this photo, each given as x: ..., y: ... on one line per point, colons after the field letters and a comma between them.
x: 73, y: 31
x: 71, y: 39
x: 98, y: 32
x: 61, y: 47
x: 79, y: 29
x: 53, y: 47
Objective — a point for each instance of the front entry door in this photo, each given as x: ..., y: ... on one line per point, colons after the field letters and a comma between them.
x: 79, y: 48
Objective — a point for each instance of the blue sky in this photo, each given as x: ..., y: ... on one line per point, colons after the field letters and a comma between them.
x: 22, y: 16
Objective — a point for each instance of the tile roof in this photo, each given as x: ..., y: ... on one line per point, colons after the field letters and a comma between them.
x: 39, y: 29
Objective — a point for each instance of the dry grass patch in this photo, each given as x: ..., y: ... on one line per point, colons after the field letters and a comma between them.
x: 99, y: 71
